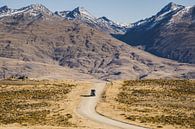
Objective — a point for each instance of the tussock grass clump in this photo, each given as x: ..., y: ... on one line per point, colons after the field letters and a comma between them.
x: 33, y: 102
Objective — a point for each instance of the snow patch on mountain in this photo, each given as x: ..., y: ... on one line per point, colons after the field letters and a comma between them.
x: 107, y: 21
x: 62, y: 13
x: 179, y: 15
x: 84, y: 12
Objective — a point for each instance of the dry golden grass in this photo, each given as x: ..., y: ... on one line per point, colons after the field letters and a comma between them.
x: 152, y: 103
x: 44, y: 105
x: 34, y: 103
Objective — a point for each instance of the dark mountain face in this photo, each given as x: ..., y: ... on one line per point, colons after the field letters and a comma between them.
x: 169, y: 33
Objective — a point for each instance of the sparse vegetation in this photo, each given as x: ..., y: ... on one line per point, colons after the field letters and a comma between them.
x: 151, y: 103
x: 166, y: 102
x: 33, y: 102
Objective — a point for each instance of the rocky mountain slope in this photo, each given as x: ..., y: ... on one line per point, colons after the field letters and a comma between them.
x: 51, y: 40
x: 103, y: 23
x: 169, y: 33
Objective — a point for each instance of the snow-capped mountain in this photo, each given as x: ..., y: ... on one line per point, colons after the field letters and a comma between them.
x: 165, y: 13
x: 169, y: 33
x: 31, y: 10
x: 170, y: 8
x: 80, y: 12
x: 102, y: 23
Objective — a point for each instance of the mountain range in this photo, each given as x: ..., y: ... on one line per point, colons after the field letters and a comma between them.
x: 101, y: 23
x: 169, y: 33
x: 79, y: 13
x: 34, y: 39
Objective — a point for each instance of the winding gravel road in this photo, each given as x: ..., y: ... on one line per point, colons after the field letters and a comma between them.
x: 88, y: 105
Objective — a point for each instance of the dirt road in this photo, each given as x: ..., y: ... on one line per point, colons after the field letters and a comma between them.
x: 88, y: 105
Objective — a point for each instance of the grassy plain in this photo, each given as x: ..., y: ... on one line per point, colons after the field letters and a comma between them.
x: 28, y: 102
x: 151, y: 103
x: 46, y: 104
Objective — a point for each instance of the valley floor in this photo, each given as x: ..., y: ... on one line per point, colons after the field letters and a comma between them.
x: 43, y: 105
x: 33, y: 104
x: 166, y: 104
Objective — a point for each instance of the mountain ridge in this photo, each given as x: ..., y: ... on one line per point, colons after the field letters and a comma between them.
x: 33, y: 10
x: 80, y: 13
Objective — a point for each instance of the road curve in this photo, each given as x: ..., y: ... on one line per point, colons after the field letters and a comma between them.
x: 88, y: 105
